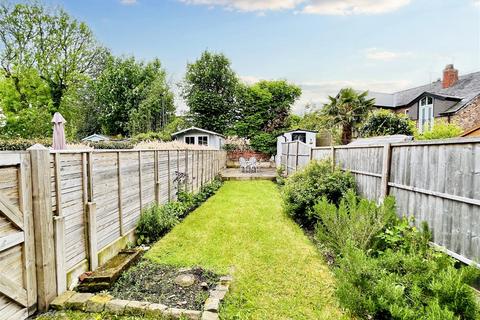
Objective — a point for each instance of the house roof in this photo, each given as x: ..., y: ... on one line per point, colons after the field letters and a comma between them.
x: 95, y: 135
x: 467, y: 132
x: 197, y: 129
x: 464, y: 90
x: 301, y: 130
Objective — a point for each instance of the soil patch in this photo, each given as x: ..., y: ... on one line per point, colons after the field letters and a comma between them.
x: 156, y: 283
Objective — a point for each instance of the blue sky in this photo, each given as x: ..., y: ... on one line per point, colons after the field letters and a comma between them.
x: 321, y: 45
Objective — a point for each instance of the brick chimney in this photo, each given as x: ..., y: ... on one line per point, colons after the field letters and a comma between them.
x: 450, y: 76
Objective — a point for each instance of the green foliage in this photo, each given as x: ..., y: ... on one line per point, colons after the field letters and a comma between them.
x: 154, y: 222
x: 20, y: 144
x: 157, y: 220
x: 401, y: 285
x: 354, y: 222
x: 383, y: 122
x: 176, y: 124
x: 306, y: 187
x: 441, y: 130
x: 281, y: 175
x: 113, y: 145
x: 264, y: 142
x: 347, y: 110
x: 132, y: 96
x: 46, y: 57
x: 209, y: 90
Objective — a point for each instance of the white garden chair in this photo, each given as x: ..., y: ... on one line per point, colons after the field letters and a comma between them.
x: 243, y: 164
x: 253, y: 164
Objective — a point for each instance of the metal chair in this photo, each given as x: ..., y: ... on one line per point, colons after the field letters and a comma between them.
x: 253, y: 164
x: 243, y: 164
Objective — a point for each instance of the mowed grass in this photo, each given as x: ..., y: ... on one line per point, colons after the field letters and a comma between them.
x: 278, y: 273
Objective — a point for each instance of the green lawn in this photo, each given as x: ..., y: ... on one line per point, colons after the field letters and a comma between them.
x: 278, y: 272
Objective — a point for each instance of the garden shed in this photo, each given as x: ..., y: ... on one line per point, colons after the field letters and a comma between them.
x: 199, y: 136
x: 306, y: 136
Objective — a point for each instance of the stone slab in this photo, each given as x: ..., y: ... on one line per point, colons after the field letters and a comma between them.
x: 116, y: 306
x: 59, y: 302
x: 78, y: 301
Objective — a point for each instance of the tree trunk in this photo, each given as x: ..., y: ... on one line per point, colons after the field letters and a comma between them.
x: 346, y: 134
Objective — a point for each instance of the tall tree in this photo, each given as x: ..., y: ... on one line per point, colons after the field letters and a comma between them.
x: 61, y: 49
x: 347, y: 110
x: 132, y: 96
x: 209, y: 89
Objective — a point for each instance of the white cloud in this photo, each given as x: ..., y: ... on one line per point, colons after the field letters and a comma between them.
x: 249, y: 5
x: 476, y: 3
x: 351, y: 7
x: 385, y: 55
x: 128, y: 2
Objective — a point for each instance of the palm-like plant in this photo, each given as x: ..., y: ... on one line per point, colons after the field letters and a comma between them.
x: 347, y: 110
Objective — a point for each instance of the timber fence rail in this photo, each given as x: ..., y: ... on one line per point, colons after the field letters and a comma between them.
x: 433, y: 181
x: 66, y: 212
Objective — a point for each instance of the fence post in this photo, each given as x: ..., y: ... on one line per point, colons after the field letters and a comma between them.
x: 169, y: 178
x: 156, y: 176
x: 387, y: 157
x: 296, y: 156
x: 120, y: 201
x: 43, y: 224
x: 59, y: 227
x: 91, y: 217
x: 288, y: 156
x: 333, y: 158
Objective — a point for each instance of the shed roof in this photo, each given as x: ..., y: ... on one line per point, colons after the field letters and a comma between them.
x: 197, y: 129
x: 96, y: 135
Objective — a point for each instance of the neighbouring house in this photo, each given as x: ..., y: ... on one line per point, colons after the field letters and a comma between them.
x: 308, y: 137
x: 474, y: 132
x: 200, y: 137
x: 96, y: 138
x: 453, y: 98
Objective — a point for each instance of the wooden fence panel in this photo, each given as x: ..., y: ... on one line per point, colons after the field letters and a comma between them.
x: 436, y: 181
x: 18, y: 292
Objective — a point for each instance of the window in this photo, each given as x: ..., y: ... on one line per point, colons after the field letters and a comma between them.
x: 425, y: 116
x: 300, y: 136
x: 203, y: 140
x: 190, y: 140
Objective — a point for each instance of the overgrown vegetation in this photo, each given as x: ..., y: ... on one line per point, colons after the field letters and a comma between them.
x: 303, y: 190
x: 440, y: 130
x: 384, y: 122
x: 385, y: 267
x: 157, y: 220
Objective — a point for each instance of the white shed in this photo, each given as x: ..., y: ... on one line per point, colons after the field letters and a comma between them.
x: 306, y: 136
x: 96, y: 138
x: 201, y: 137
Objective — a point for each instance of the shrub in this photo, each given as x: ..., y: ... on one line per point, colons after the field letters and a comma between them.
x: 157, y: 220
x: 20, y: 144
x: 264, y: 142
x: 304, y: 188
x: 383, y: 123
x: 400, y: 285
x: 441, y: 130
x: 355, y: 222
x: 154, y: 222
x: 281, y: 175
x: 112, y: 145
x: 151, y: 136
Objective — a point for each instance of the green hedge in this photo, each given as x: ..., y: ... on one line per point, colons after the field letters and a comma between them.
x: 20, y: 144
x: 113, y: 145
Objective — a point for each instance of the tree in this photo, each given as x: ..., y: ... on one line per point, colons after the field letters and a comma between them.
x: 132, y: 97
x: 265, y: 111
x: 348, y: 109
x: 383, y: 123
x: 61, y: 49
x: 209, y: 89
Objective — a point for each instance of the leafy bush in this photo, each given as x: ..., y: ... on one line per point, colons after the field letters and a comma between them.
x: 281, y: 175
x: 441, y: 130
x: 20, y: 144
x: 355, y: 222
x: 264, y: 142
x: 304, y: 188
x: 400, y: 285
x: 151, y: 136
x: 383, y: 122
x: 112, y: 145
x: 155, y: 221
